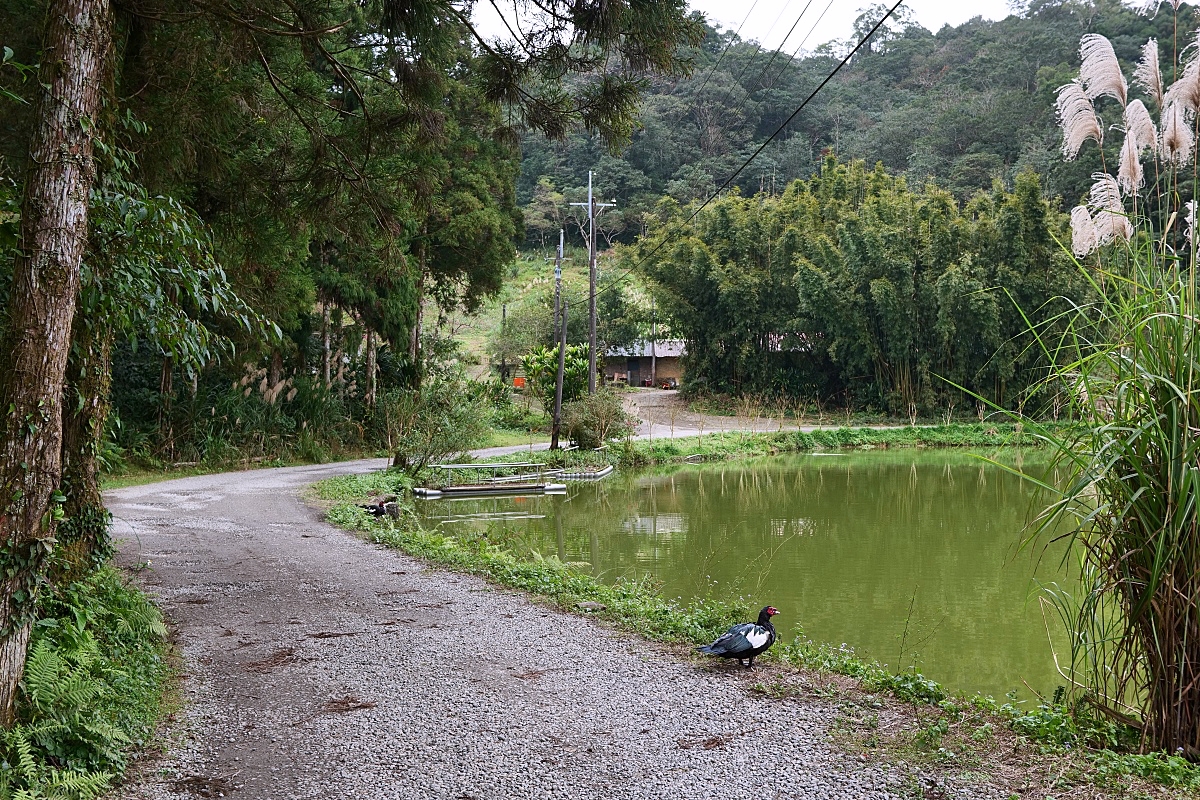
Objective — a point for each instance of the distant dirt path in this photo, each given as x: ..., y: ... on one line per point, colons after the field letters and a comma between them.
x: 671, y: 418
x: 319, y: 666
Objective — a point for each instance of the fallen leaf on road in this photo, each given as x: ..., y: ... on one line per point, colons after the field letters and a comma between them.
x: 206, y: 785
x: 286, y: 655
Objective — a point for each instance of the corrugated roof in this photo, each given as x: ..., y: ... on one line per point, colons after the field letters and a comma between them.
x: 663, y: 348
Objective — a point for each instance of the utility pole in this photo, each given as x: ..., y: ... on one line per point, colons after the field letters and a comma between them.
x: 558, y: 380
x: 592, y: 205
x: 560, y: 334
x: 503, y: 343
x: 653, y: 342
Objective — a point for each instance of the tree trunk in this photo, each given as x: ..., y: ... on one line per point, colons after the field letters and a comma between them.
x: 325, y: 352
x: 372, y: 345
x: 41, y: 308
x: 275, y: 370
x: 166, y: 392
x: 83, y: 541
x: 414, y: 343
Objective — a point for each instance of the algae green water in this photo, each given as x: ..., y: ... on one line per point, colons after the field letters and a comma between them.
x: 909, y: 557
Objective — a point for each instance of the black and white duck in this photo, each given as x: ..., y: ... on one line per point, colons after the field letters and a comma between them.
x: 745, y: 641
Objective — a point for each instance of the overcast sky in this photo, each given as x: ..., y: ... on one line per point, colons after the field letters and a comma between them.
x: 768, y: 21
x: 820, y: 21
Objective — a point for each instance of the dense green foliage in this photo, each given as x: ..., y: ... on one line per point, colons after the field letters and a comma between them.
x: 92, y: 691
x: 963, y: 106
x: 345, y: 170
x: 595, y: 419
x: 541, y: 373
x: 854, y: 287
x: 439, y: 419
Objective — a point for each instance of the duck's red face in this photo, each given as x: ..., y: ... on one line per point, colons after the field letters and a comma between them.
x: 772, y: 611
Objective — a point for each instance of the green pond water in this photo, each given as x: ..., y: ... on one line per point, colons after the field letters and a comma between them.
x: 910, y: 557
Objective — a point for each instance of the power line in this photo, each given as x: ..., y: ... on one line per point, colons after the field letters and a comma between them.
x: 711, y: 71
x: 803, y: 42
x: 750, y: 61
x: 791, y: 58
x: 736, y: 35
x: 774, y: 53
x: 755, y: 154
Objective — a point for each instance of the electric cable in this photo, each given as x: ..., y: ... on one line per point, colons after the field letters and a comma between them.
x: 791, y: 58
x: 729, y: 181
x: 803, y: 42
x: 771, y: 60
x: 750, y: 61
x: 736, y: 35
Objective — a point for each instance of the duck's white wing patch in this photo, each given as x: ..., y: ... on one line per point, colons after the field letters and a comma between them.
x: 757, y: 636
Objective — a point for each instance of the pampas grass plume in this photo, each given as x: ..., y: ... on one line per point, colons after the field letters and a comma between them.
x: 1129, y: 173
x: 1100, y: 71
x: 1140, y: 126
x: 1186, y: 90
x: 1077, y: 116
x: 1176, y: 139
x: 1083, y: 232
x: 1148, y: 73
x: 1105, y: 201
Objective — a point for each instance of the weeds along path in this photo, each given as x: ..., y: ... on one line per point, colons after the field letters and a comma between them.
x: 319, y: 666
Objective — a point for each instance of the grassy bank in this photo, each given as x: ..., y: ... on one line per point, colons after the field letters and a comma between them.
x: 880, y: 715
x: 736, y: 444
x: 92, y: 693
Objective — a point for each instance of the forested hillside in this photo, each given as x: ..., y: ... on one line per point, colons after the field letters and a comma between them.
x: 963, y: 106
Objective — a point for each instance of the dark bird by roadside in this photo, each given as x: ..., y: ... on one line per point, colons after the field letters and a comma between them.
x: 745, y: 641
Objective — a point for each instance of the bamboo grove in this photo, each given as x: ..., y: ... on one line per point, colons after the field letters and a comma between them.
x: 853, y: 288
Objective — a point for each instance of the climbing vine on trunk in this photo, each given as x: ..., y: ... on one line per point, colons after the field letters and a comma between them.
x: 46, y: 275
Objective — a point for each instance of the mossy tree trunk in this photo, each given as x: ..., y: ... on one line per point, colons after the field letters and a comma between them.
x: 41, y: 308
x: 83, y: 540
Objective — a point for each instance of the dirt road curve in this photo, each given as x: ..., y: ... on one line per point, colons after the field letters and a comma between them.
x: 318, y: 666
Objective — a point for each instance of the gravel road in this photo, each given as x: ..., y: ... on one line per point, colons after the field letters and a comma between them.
x: 320, y: 666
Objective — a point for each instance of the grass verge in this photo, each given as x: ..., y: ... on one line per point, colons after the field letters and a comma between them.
x: 906, y: 718
x: 92, y: 694
x: 141, y: 475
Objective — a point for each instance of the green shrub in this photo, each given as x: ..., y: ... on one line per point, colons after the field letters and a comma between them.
x: 440, y: 419
x: 594, y: 419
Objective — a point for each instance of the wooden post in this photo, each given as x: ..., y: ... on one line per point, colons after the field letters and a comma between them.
x: 371, y: 368
x: 653, y: 341
x: 503, y: 344
x: 591, y: 288
x: 562, y: 360
x: 592, y: 205
x: 325, y: 352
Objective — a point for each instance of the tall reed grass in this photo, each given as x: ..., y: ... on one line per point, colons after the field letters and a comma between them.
x: 1129, y: 477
